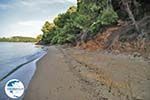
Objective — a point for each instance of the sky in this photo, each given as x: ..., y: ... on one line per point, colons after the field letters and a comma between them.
x: 26, y: 17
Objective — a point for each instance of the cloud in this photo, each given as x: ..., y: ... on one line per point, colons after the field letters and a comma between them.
x: 72, y: 1
x: 32, y: 3
x: 5, y: 6
x: 30, y: 23
x: 26, y: 17
x: 45, y: 2
x: 26, y: 28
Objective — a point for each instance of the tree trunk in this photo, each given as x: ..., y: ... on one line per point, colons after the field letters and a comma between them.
x: 131, y: 16
x: 84, y: 36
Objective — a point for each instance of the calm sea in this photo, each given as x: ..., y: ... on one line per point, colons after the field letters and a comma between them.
x: 18, y: 61
x: 14, y: 54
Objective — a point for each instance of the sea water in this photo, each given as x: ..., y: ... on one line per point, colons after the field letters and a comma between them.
x: 14, y: 54
x: 18, y: 61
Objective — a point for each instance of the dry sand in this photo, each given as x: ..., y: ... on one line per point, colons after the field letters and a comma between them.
x: 54, y: 81
x: 74, y: 74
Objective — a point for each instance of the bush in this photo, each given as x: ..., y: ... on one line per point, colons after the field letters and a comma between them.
x: 61, y: 37
x: 109, y: 16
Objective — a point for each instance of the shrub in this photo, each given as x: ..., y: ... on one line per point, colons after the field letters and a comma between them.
x: 108, y: 16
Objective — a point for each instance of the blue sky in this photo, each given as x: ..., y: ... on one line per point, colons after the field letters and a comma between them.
x: 26, y: 17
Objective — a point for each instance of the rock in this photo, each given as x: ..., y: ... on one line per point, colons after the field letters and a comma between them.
x: 136, y: 54
x: 135, y: 98
x: 40, y: 43
x: 116, y: 51
x: 148, y: 57
x: 102, y: 98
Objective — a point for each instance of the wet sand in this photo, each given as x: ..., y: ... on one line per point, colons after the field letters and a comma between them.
x: 54, y: 81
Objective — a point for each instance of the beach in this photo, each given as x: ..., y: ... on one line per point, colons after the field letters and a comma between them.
x: 75, y: 50
x: 53, y: 80
x: 75, y: 74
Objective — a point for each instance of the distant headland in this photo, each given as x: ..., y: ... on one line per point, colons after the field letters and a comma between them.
x: 18, y: 39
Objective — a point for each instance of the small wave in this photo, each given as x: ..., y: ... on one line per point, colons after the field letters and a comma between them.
x: 16, y: 63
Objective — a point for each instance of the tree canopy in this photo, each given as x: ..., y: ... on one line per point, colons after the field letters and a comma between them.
x: 88, y: 18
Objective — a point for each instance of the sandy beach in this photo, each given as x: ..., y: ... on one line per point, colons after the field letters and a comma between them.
x: 54, y: 81
x: 74, y: 74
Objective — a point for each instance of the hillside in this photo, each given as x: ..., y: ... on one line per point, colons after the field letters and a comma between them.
x: 121, y: 24
x: 18, y: 39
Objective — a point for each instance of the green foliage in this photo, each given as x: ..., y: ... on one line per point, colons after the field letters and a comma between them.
x: 18, y: 39
x: 48, y: 30
x: 72, y: 9
x: 61, y: 20
x: 39, y: 37
x: 60, y: 37
x: 48, y: 27
x: 89, y: 16
x: 108, y: 17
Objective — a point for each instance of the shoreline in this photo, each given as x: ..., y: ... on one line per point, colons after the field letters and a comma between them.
x: 23, y: 72
x: 24, y: 63
x: 73, y: 74
x: 53, y: 80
